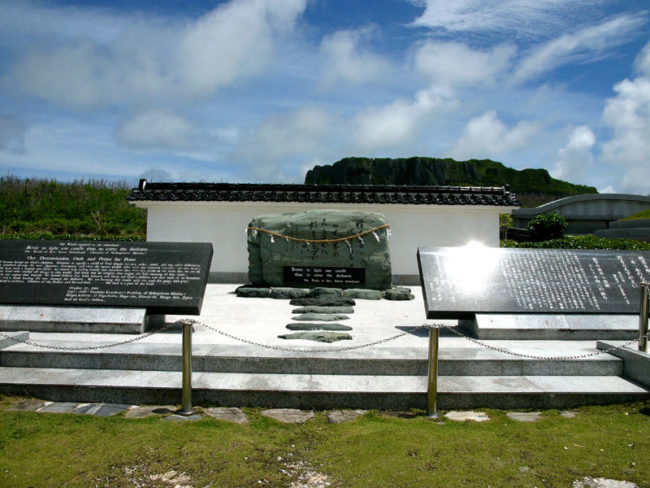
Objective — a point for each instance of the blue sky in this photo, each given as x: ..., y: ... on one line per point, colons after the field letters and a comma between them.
x: 262, y: 90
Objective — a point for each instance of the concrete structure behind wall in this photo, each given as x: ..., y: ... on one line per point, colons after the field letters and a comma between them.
x: 586, y: 214
x: 418, y: 216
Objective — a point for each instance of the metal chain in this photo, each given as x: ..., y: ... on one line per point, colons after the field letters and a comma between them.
x: 290, y: 349
x: 531, y: 356
x: 89, y: 348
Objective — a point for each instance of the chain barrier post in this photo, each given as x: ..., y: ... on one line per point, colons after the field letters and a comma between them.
x: 187, y: 369
x: 643, y: 318
x: 432, y: 386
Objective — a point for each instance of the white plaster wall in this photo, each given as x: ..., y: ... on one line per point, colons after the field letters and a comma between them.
x: 412, y: 226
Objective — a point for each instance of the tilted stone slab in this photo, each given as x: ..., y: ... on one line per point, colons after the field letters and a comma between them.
x: 325, y: 336
x: 326, y: 317
x: 275, y: 259
x: 322, y: 301
x: 318, y: 309
x: 310, y: 326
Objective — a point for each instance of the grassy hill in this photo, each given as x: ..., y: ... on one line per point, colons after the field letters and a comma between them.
x: 38, y: 208
x: 533, y: 186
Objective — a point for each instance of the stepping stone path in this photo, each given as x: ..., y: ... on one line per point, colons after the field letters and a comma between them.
x: 308, y: 326
x: 317, y: 309
x: 317, y: 312
x: 525, y: 416
x: 289, y: 415
x: 148, y: 411
x: 183, y: 418
x: 463, y: 416
x: 235, y: 415
x: 101, y: 409
x: 325, y: 317
x: 318, y: 336
x: 340, y: 416
x: 589, y: 482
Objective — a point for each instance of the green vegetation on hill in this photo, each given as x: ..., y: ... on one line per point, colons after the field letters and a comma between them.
x: 38, y: 208
x: 643, y: 214
x: 533, y: 186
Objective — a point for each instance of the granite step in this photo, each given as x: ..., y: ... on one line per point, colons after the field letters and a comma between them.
x: 317, y: 391
x: 453, y: 360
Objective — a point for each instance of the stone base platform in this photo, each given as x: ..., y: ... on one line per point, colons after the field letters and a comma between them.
x: 552, y: 326
x: 77, y: 319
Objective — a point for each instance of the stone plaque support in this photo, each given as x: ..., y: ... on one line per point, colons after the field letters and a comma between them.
x: 432, y: 383
x: 643, y: 319
x: 187, y: 370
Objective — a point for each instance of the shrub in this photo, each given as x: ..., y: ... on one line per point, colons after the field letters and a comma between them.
x: 545, y: 227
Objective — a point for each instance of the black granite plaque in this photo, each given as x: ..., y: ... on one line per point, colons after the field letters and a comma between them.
x: 163, y: 277
x: 338, y: 277
x: 459, y: 282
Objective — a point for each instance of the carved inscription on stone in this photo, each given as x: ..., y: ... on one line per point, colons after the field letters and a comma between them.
x: 461, y: 281
x: 104, y: 273
x: 322, y: 275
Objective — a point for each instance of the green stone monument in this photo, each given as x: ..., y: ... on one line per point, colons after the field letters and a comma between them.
x: 320, y: 248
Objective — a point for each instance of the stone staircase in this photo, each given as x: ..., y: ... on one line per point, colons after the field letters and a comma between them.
x: 383, y: 377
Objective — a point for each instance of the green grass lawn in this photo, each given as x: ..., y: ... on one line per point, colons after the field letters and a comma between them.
x: 375, y: 450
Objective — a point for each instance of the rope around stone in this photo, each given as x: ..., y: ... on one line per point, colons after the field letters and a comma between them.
x: 318, y: 241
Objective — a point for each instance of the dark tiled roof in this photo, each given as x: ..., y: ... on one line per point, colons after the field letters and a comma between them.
x: 234, y: 192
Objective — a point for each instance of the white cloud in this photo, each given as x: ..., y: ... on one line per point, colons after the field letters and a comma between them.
x: 12, y: 134
x: 642, y: 62
x: 575, y: 160
x: 152, y: 60
x: 519, y: 17
x: 156, y: 128
x: 587, y: 44
x: 344, y: 59
x: 397, y: 123
x: 452, y: 63
x: 290, y: 135
x: 628, y: 116
x: 486, y: 136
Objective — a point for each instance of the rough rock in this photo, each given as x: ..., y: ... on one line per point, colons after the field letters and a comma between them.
x: 325, y: 336
x: 308, y: 326
x: 235, y: 415
x: 363, y: 294
x: 398, y: 294
x: 325, y: 317
x: 269, y: 254
x: 321, y: 291
x: 289, y: 415
x: 253, y: 292
x: 285, y: 292
x: 323, y: 302
x: 318, y: 309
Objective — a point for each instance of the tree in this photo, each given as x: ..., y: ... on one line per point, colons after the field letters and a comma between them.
x: 545, y: 227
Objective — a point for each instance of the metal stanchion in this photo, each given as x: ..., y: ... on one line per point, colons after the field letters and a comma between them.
x: 187, y: 370
x: 643, y: 319
x: 432, y: 388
